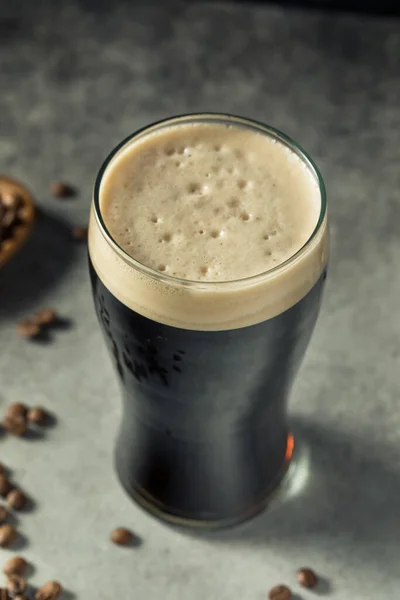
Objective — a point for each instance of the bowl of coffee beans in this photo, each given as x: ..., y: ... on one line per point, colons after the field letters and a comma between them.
x: 17, y: 214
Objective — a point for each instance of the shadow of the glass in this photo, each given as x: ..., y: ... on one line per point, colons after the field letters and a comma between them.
x: 336, y: 489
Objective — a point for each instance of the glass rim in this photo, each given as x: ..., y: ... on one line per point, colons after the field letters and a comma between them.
x: 209, y: 117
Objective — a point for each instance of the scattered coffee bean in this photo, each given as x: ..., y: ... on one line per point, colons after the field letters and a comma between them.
x: 5, y: 486
x: 3, y: 514
x: 46, y: 316
x: 37, y: 415
x: 15, y: 566
x: 16, y: 410
x: 15, y: 426
x: 307, y: 578
x: 80, y: 233
x: 61, y: 189
x: 121, y: 536
x: 28, y: 329
x: 50, y: 591
x: 16, y: 499
x: 280, y: 592
x: 16, y: 584
x: 8, y: 535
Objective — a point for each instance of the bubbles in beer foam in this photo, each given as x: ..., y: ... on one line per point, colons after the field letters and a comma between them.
x: 186, y: 150
x: 216, y: 233
x: 233, y: 203
x: 245, y: 216
x: 155, y: 220
x: 162, y: 268
x: 167, y: 237
x: 194, y: 188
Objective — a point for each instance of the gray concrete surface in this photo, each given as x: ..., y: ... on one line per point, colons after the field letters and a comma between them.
x: 74, y: 81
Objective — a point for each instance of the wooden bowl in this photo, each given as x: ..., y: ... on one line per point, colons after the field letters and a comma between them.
x: 22, y: 230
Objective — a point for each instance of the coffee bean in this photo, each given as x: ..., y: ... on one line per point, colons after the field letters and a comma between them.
x: 5, y: 486
x: 8, y: 535
x: 15, y: 566
x: 80, y: 233
x: 61, y: 189
x: 280, y: 592
x: 10, y: 199
x: 37, y: 416
x: 15, y: 426
x: 8, y: 219
x: 307, y: 577
x: 24, y: 214
x: 50, y: 591
x: 6, y: 245
x: 3, y: 514
x: 16, y: 410
x: 121, y: 536
x: 28, y: 329
x: 46, y: 316
x: 16, y: 584
x: 16, y: 499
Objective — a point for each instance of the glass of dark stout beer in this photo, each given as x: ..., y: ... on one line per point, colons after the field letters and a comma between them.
x: 208, y: 251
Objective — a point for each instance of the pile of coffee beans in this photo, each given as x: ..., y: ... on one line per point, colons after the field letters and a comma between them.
x: 16, y: 500
x: 12, y: 214
x: 16, y: 215
x: 17, y: 588
x: 18, y: 417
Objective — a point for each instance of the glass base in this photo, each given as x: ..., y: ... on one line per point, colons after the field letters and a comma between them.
x: 150, y: 504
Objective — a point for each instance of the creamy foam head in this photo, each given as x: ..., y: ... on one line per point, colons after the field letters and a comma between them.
x: 213, y: 202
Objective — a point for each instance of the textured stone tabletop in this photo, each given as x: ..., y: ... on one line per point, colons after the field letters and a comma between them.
x: 77, y: 78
